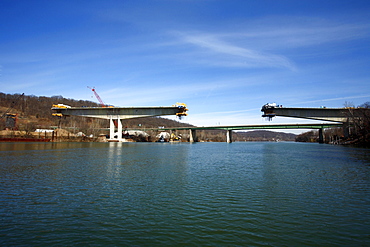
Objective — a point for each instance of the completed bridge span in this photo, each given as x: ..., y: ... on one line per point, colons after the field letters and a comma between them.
x: 229, y: 129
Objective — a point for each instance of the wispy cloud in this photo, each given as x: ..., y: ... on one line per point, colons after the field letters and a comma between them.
x: 155, y: 94
x: 265, y: 43
x: 311, y: 31
x: 212, y: 49
x: 335, y: 99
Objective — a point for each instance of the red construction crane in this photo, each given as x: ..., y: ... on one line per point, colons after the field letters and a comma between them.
x: 98, y: 97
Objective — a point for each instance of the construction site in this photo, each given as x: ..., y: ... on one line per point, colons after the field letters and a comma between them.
x: 33, y: 118
x: 57, y: 119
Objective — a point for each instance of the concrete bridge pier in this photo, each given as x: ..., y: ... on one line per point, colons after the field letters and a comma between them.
x: 229, y: 136
x: 113, y: 135
x: 321, y: 135
x: 346, y: 131
x: 192, y: 135
x: 119, y: 132
x: 111, y: 129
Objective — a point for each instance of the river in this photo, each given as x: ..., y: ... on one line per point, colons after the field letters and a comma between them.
x: 182, y: 194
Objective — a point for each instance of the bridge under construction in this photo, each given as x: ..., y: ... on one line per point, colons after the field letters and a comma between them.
x: 342, y: 115
x: 337, y: 117
x: 116, y: 114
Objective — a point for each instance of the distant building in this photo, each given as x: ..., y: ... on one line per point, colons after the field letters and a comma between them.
x: 44, y: 130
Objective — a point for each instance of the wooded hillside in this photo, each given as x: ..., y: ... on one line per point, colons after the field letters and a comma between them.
x: 265, y: 135
x: 35, y: 112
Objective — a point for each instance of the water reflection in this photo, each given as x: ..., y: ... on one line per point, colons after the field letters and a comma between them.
x: 147, y: 163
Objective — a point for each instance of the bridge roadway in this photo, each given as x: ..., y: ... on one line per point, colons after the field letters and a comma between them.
x: 116, y: 114
x: 346, y: 115
x: 120, y: 112
x: 343, y: 115
x: 270, y: 110
x: 229, y: 129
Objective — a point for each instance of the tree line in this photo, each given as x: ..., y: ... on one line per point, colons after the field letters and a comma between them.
x: 356, y: 131
x: 35, y: 112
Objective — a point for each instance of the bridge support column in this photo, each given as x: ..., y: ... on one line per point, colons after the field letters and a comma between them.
x: 119, y: 132
x: 346, y: 130
x: 113, y: 134
x: 229, y: 136
x: 192, y: 135
x: 321, y: 135
x: 111, y: 128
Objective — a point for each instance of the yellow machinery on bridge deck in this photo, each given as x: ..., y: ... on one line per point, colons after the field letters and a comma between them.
x: 116, y: 114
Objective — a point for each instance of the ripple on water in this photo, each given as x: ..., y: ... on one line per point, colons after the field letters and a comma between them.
x: 210, y: 194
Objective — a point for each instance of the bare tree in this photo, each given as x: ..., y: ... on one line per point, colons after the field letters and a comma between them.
x: 359, y: 120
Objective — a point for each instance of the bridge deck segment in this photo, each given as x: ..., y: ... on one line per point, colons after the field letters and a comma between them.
x: 120, y: 112
x: 116, y: 114
x: 229, y: 129
x: 266, y: 126
x: 342, y: 115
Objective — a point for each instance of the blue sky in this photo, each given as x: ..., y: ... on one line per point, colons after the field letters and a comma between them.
x: 224, y: 59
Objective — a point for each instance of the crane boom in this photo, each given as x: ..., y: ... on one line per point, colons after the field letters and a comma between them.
x: 12, y: 105
x: 98, y: 97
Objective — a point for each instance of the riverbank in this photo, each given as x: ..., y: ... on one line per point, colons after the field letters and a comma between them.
x: 57, y: 135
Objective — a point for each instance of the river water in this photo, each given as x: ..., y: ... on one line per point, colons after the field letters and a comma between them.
x: 182, y: 194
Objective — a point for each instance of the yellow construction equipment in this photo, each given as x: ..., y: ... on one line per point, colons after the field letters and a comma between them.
x: 183, y: 109
x: 61, y: 106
